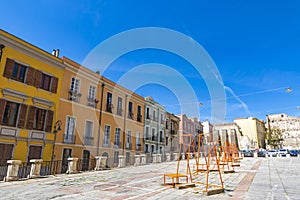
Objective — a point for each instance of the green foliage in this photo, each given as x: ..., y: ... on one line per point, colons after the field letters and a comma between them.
x: 274, y: 138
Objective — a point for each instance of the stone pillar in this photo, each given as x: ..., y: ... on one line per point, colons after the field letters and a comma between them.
x: 158, y: 158
x: 154, y: 158
x: 72, y: 165
x: 182, y: 156
x: 255, y: 154
x: 35, y: 170
x: 143, y: 159
x: 137, y: 160
x: 168, y: 157
x: 100, y: 162
x: 12, y: 170
x: 175, y: 156
x: 121, y: 161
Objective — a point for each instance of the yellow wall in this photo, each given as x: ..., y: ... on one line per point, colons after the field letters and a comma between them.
x: 35, y: 58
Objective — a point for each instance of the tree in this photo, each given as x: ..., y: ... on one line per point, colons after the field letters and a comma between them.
x: 274, y: 138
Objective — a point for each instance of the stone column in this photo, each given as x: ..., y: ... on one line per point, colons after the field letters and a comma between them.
x: 143, y: 159
x: 182, y: 156
x: 255, y: 154
x: 100, y: 162
x: 158, y: 158
x: 12, y: 170
x: 121, y: 161
x: 35, y: 170
x: 175, y: 156
x: 168, y: 157
x: 72, y: 165
x: 137, y: 160
x: 154, y: 158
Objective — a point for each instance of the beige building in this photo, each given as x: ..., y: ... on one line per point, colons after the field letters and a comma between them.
x: 289, y: 126
x: 229, y: 133
x: 254, y: 129
x: 172, y: 133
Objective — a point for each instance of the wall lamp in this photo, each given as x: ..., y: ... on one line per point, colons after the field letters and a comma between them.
x: 57, y: 126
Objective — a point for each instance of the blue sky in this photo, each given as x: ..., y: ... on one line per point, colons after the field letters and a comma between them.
x: 254, y: 44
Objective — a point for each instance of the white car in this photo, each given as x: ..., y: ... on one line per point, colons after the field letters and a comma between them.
x: 283, y: 152
x: 272, y: 153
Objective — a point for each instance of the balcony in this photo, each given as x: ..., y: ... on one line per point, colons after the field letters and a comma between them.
x: 139, y: 118
x: 130, y: 115
x: 88, y: 140
x: 109, y: 108
x: 92, y: 102
x: 117, y: 145
x: 128, y: 146
x: 69, y: 139
x: 138, y: 147
x: 74, y: 96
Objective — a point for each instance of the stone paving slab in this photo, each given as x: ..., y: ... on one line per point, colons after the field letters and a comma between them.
x: 256, y: 178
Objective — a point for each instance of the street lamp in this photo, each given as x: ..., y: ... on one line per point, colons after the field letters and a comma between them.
x: 57, y: 126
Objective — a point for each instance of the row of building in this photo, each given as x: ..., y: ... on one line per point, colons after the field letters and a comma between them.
x: 53, y: 108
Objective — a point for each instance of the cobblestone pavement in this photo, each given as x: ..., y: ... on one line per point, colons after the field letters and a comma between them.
x: 256, y: 178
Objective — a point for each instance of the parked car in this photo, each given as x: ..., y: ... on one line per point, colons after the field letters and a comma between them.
x: 262, y: 153
x: 272, y: 153
x: 283, y: 152
x: 294, y: 152
x: 248, y: 153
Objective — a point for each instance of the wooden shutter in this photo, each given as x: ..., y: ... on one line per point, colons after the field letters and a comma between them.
x: 38, y: 78
x: 35, y: 152
x: 2, y: 108
x: 31, y: 116
x: 9, y: 66
x: 49, y: 121
x: 54, y: 85
x: 30, y: 76
x: 22, y: 116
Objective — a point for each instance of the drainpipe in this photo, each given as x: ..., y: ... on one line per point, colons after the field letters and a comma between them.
x: 124, y: 127
x: 100, y: 118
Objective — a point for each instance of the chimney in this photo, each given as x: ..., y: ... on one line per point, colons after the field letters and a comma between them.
x: 55, y: 52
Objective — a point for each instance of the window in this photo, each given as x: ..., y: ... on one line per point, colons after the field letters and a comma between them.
x: 92, y: 92
x: 161, y: 118
x: 35, y: 152
x: 45, y: 82
x: 119, y: 108
x: 154, y: 116
x: 88, y: 135
x: 40, y: 119
x: 117, y: 137
x: 147, y: 133
x: 75, y: 85
x: 128, y: 140
x: 139, y: 114
x: 6, y: 151
x: 147, y: 113
x: 10, y: 114
x: 116, y: 157
x: 106, y: 140
x: 130, y: 113
x: 70, y: 130
x: 137, y: 141
x: 146, y: 148
x: 18, y: 73
x: 153, y: 134
x: 109, y: 102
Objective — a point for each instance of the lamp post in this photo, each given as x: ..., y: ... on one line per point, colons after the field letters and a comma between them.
x: 57, y: 127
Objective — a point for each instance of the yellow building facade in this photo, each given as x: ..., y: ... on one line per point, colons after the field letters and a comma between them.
x: 30, y: 80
